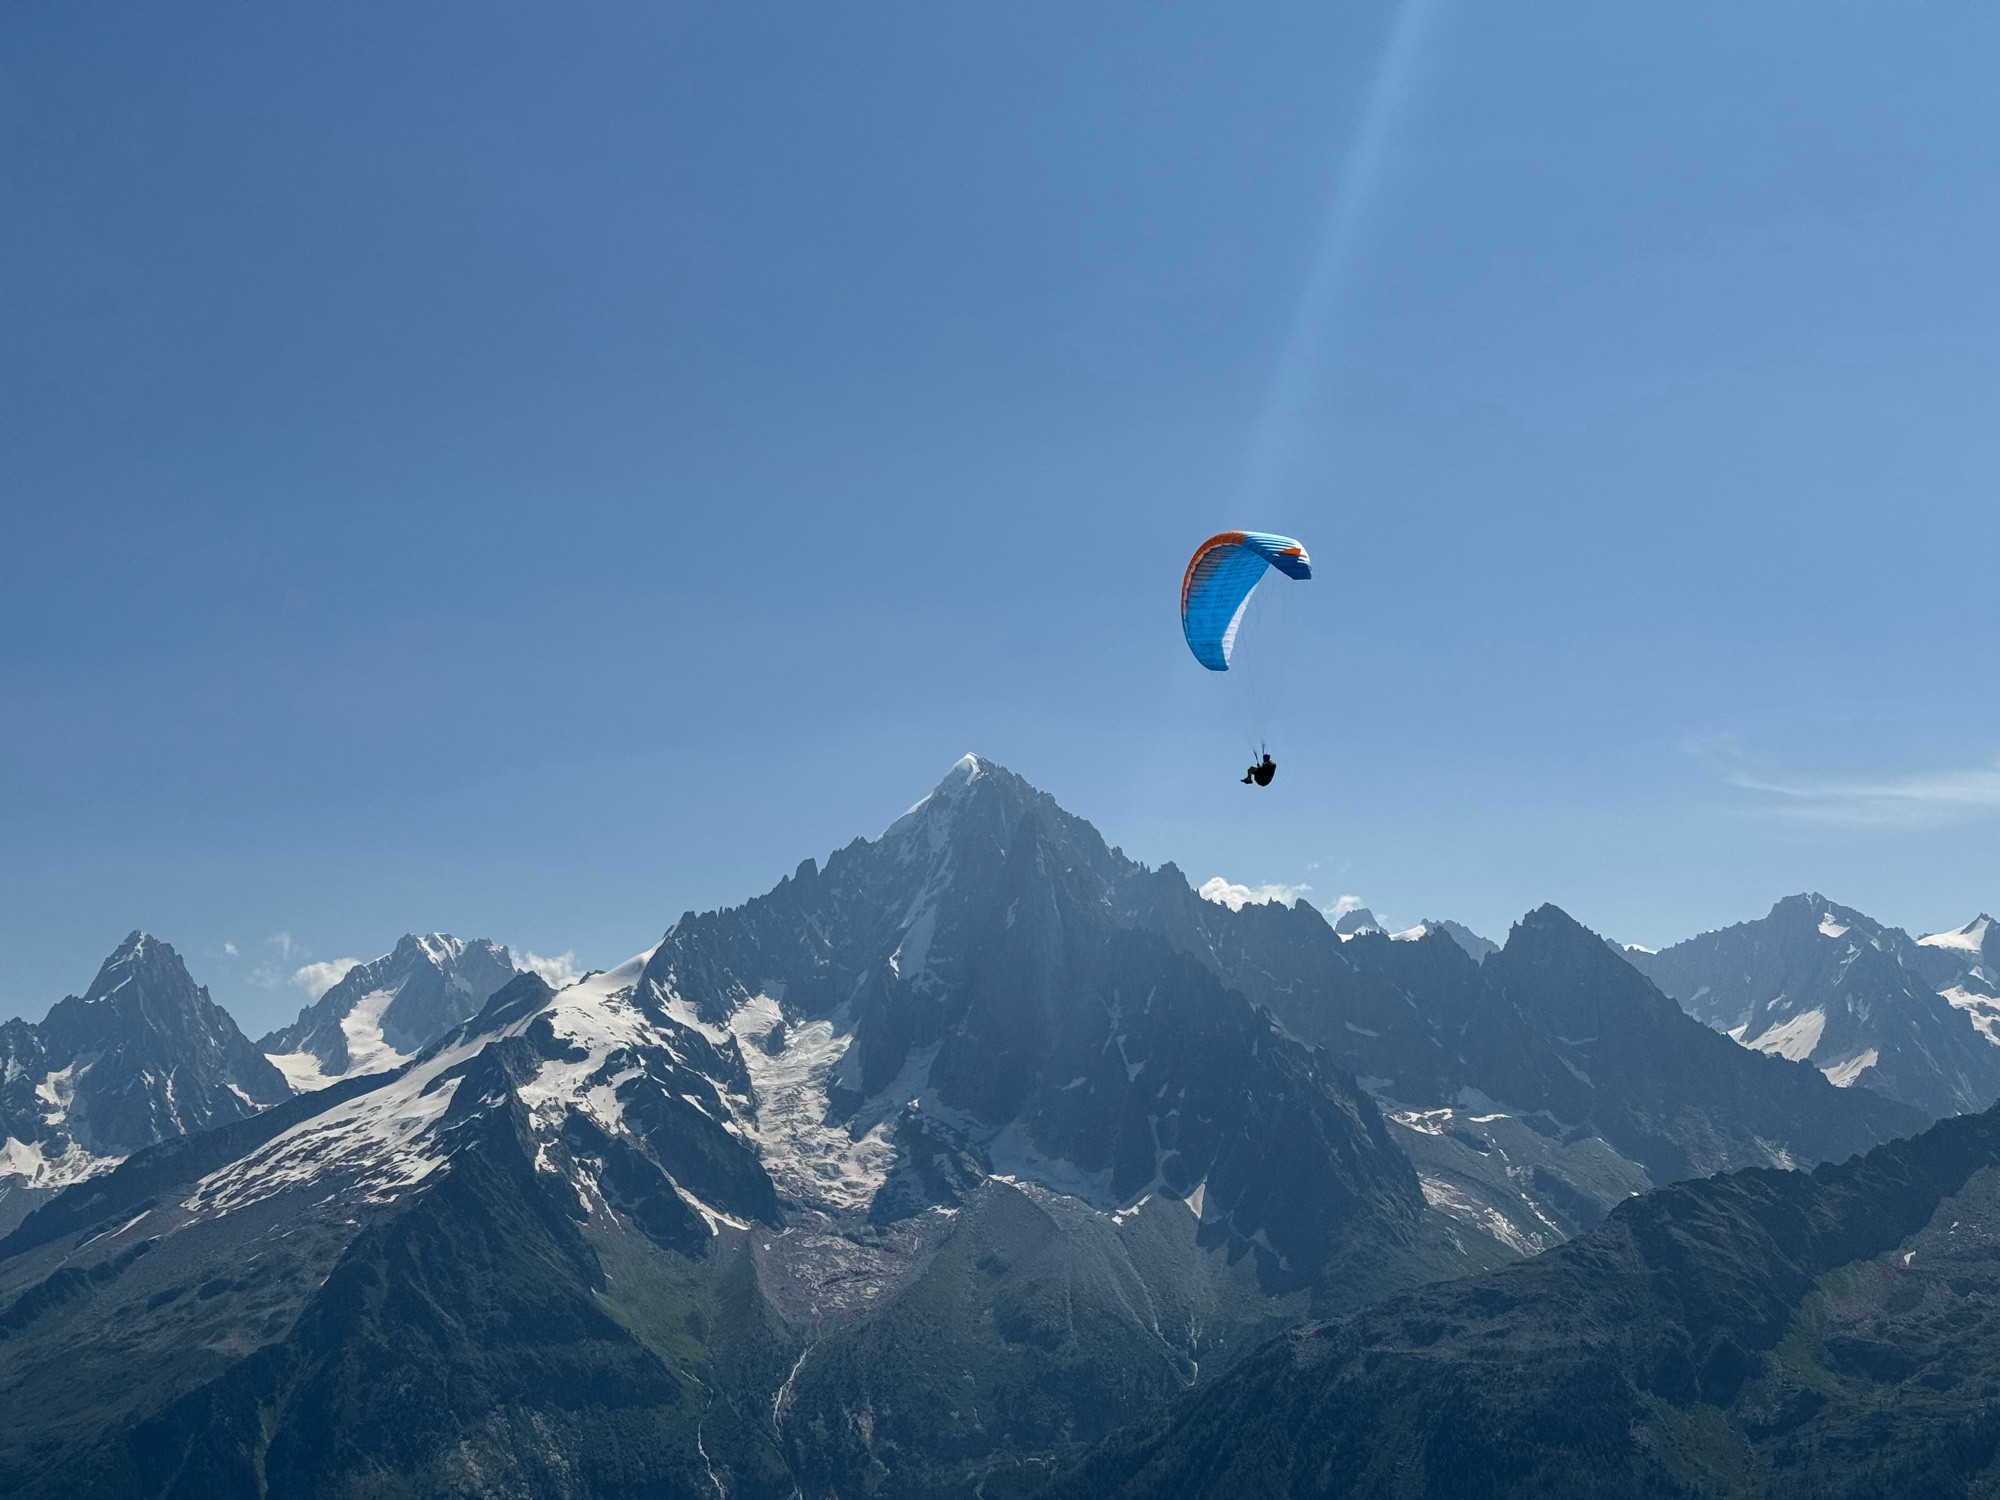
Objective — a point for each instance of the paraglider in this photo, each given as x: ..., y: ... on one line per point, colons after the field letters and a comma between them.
x: 1216, y: 589
x: 1217, y: 585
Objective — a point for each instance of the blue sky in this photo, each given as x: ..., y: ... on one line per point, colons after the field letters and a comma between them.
x: 531, y: 471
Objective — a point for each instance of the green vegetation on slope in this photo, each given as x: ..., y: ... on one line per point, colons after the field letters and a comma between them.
x: 1760, y: 1333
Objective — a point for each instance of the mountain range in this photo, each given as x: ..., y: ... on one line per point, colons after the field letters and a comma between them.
x: 1917, y: 1020
x: 914, y: 1176
x: 145, y: 1055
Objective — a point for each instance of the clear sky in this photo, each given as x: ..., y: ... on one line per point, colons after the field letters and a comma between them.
x: 530, y: 471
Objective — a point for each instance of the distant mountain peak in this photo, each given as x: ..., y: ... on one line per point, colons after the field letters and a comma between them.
x: 1548, y: 938
x: 935, y: 810
x: 1546, y: 919
x: 1816, y: 981
x: 152, y: 965
x: 140, y: 951
x: 1811, y: 909
x: 1971, y: 938
x: 438, y: 947
x: 1476, y: 947
x: 964, y: 772
x: 1355, y: 921
x: 382, y: 1012
x: 143, y: 1054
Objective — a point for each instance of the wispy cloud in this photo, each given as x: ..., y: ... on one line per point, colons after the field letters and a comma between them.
x: 556, y: 972
x: 1918, y: 799
x: 1236, y: 897
x: 317, y: 979
x: 1925, y: 799
x: 1342, y: 907
x: 280, y: 973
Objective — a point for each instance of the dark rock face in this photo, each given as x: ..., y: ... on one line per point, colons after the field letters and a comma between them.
x: 1477, y: 948
x: 142, y: 1055
x: 1757, y: 1334
x: 1555, y: 1032
x: 986, y: 954
x: 1827, y: 984
x: 416, y: 993
x: 1670, y: 1095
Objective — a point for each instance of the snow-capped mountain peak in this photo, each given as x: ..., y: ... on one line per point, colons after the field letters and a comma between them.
x: 1864, y: 1003
x: 1356, y: 921
x: 1971, y: 938
x: 380, y: 1013
x: 929, y: 820
x: 143, y: 1054
x: 125, y: 963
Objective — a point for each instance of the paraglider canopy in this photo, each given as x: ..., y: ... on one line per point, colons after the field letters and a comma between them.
x: 1219, y: 578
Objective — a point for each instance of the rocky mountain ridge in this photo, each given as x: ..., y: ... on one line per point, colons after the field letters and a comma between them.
x: 1814, y: 981
x: 1536, y: 1088
x: 141, y: 1056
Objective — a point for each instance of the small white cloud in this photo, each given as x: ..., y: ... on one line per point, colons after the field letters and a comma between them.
x: 282, y: 941
x: 1342, y: 907
x: 317, y: 979
x: 557, y: 972
x: 230, y: 949
x: 1236, y: 897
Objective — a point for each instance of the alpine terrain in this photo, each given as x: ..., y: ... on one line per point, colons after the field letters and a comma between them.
x: 1964, y: 966
x: 911, y: 1177
x: 1535, y: 1088
x: 379, y: 1014
x: 140, y: 1056
x: 1912, y: 1019
x: 1760, y: 1333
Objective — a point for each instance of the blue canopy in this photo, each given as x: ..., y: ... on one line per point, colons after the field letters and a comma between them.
x: 1218, y: 582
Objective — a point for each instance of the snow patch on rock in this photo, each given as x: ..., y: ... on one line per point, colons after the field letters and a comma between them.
x: 1971, y: 938
x: 1793, y: 1039
x: 1843, y: 1074
x: 1982, y: 1010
